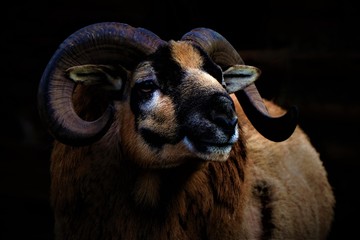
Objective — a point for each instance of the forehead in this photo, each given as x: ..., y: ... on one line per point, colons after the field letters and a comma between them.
x: 173, y: 62
x: 185, y: 55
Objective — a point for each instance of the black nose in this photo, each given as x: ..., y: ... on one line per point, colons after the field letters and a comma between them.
x: 223, y: 114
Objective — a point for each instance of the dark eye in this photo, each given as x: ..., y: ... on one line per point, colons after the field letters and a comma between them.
x: 147, y: 86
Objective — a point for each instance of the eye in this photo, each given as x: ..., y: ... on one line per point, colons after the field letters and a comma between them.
x: 146, y: 86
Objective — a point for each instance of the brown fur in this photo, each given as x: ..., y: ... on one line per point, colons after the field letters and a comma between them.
x: 118, y: 188
x: 98, y: 193
x: 302, y: 199
x: 186, y: 55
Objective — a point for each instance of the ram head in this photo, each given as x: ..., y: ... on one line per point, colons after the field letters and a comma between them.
x: 165, y: 101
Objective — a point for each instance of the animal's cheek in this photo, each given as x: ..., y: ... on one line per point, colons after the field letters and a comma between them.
x: 132, y: 144
x: 146, y: 137
x: 160, y: 118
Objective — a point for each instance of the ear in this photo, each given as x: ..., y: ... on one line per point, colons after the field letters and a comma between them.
x: 238, y: 77
x: 109, y: 76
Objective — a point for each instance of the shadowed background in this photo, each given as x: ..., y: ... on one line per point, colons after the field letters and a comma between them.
x: 308, y: 51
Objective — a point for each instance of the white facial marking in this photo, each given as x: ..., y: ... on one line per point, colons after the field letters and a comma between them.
x: 151, y: 104
x: 189, y: 144
x: 235, y: 136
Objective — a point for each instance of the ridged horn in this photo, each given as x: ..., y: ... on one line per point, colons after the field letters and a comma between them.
x: 223, y: 53
x: 100, y: 43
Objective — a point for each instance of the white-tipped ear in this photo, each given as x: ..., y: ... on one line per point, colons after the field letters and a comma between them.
x: 111, y: 77
x: 238, y: 77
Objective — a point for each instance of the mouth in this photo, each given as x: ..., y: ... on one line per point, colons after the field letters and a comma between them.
x: 206, y: 146
x: 211, y: 150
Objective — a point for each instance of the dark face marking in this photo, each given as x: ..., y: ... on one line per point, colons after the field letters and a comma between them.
x: 154, y: 139
x: 168, y: 72
x: 209, y: 66
x: 167, y: 75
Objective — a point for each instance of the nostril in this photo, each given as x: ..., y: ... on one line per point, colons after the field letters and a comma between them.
x: 225, y: 122
x: 233, y: 122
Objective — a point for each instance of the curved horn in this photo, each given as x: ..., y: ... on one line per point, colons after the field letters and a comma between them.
x: 100, y: 43
x: 222, y: 52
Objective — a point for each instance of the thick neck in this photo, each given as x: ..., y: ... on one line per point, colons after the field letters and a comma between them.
x: 155, y: 187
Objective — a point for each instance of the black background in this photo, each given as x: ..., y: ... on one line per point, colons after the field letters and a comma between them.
x: 308, y: 51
